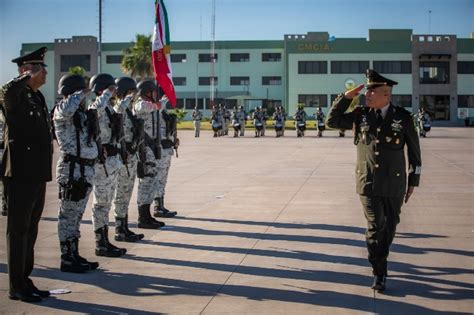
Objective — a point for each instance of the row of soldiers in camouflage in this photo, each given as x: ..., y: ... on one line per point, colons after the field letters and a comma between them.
x: 221, y: 116
x: 104, y: 146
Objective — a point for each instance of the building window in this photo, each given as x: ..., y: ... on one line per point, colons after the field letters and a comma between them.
x: 434, y: 72
x: 436, y: 105
x: 312, y: 67
x: 466, y: 101
x: 313, y: 100
x: 207, y: 58
x: 271, y: 80
x: 241, y: 57
x: 349, y: 66
x: 178, y: 58
x: 402, y: 100
x: 179, y: 103
x: 271, y: 57
x: 179, y: 81
x: 207, y: 80
x: 466, y: 67
x: 392, y: 66
x: 69, y: 61
x: 360, y: 101
x: 240, y: 81
x: 114, y: 59
x: 191, y: 103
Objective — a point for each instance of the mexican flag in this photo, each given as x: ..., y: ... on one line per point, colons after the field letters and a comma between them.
x: 161, y: 52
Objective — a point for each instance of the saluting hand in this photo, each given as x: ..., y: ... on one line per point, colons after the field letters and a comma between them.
x: 353, y: 92
x: 409, y: 193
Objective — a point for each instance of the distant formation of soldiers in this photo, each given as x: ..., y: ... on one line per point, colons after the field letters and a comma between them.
x: 220, y: 118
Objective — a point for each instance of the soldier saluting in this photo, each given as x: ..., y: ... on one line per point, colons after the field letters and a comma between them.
x: 381, y: 132
x: 26, y: 167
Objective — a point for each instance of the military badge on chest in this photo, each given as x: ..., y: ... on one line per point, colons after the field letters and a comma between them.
x: 396, y: 125
x: 396, y: 130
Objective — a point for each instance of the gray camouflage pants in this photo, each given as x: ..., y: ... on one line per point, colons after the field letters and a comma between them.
x: 163, y: 169
x: 147, y: 186
x: 2, y: 196
x: 124, y: 189
x: 104, y: 190
x: 71, y: 212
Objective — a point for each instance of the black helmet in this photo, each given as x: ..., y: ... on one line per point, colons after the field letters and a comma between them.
x: 100, y: 82
x: 71, y: 83
x: 146, y: 86
x: 124, y: 85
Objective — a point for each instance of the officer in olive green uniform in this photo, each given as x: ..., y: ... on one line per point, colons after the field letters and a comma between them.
x: 381, y: 132
x: 26, y: 167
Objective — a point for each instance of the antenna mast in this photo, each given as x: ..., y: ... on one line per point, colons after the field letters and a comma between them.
x: 213, y: 50
x: 100, y: 36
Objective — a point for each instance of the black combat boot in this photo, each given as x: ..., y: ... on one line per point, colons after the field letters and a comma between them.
x: 161, y: 211
x: 93, y: 265
x: 4, y: 208
x: 70, y: 263
x: 123, y: 234
x: 103, y: 247
x: 145, y: 220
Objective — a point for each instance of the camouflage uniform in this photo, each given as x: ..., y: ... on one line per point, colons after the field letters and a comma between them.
x: 147, y: 186
x: 106, y: 174
x: 242, y: 117
x: 127, y: 172
x: 71, y: 212
x: 165, y: 162
x: 197, y: 117
x: 3, y: 205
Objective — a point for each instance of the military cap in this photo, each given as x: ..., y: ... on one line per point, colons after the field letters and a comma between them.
x: 35, y: 58
x: 374, y: 80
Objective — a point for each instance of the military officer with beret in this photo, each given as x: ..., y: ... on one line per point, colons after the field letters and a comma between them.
x: 381, y: 132
x: 26, y: 167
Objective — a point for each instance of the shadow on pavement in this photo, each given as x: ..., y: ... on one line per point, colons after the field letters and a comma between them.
x: 129, y: 284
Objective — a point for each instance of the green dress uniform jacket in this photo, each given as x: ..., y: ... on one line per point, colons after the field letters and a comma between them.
x: 381, y: 166
x: 26, y: 167
x: 28, y: 140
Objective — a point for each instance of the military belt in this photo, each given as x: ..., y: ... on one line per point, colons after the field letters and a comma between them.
x: 131, y: 149
x: 81, y: 161
x: 111, y: 149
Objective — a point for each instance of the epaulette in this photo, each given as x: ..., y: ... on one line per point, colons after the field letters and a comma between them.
x: 359, y: 109
x: 403, y: 110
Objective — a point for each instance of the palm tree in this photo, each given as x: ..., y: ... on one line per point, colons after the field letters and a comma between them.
x: 136, y: 60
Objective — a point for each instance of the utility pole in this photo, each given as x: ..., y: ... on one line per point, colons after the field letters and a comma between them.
x: 100, y: 36
x: 213, y: 50
x: 429, y: 22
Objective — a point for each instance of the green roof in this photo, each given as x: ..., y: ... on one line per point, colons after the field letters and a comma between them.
x: 199, y: 45
x: 465, y: 45
x: 34, y: 46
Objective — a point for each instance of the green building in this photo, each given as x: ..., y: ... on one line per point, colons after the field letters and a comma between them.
x: 433, y: 71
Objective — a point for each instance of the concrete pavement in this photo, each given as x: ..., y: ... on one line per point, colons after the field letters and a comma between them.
x: 274, y: 226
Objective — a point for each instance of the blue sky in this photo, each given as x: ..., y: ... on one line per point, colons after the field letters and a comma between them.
x: 31, y: 21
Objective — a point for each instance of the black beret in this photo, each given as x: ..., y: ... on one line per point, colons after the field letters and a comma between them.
x: 35, y: 57
x: 374, y: 80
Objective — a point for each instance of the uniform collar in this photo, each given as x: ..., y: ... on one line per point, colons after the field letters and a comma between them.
x: 385, y: 110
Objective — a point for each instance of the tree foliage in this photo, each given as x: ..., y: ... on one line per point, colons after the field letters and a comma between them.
x: 136, y: 60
